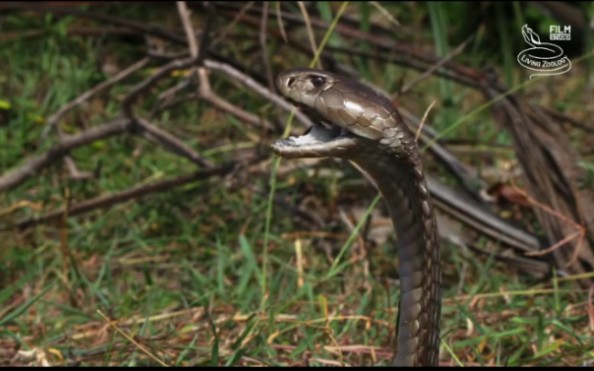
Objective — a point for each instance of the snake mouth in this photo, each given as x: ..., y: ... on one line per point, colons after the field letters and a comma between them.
x: 321, y: 130
x: 320, y: 140
x: 318, y: 133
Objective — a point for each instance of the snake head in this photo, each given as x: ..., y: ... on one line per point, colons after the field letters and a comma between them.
x: 339, y: 101
x: 304, y: 85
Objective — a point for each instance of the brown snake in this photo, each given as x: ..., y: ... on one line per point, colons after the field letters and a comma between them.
x: 356, y: 123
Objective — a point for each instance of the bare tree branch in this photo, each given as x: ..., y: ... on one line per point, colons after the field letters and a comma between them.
x: 52, y: 121
x: 252, y: 84
x: 170, y: 142
x: 32, y: 166
x: 145, y: 85
x: 436, y: 66
x: 184, y: 14
x: 123, y: 196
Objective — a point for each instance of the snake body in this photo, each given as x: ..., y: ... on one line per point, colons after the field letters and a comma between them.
x: 356, y: 123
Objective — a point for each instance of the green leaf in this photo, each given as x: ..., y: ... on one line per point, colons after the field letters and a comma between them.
x: 20, y: 310
x: 5, y: 105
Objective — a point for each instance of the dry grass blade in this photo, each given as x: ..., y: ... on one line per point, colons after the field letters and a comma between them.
x: 310, y: 34
x: 423, y: 120
x: 141, y: 347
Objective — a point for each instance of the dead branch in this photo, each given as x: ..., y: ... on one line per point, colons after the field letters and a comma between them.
x: 170, y: 142
x: 145, y: 85
x: 255, y: 86
x: 33, y: 165
x: 126, y: 195
x: 550, y: 168
x: 52, y: 121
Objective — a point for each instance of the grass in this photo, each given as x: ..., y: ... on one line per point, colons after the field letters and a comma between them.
x: 207, y: 274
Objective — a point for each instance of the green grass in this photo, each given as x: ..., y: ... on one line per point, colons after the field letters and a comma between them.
x: 210, y: 274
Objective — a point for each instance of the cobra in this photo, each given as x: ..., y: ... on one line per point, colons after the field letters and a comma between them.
x: 356, y: 123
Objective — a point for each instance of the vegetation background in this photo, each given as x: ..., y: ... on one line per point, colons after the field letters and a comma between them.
x: 181, y: 240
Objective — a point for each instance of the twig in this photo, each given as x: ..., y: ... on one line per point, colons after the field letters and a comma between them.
x: 18, y: 175
x: 385, y: 13
x: 455, y: 204
x: 563, y: 117
x: 184, y: 14
x: 73, y: 170
x: 210, y: 96
x: 32, y: 166
x: 264, y: 47
x: 310, y: 33
x: 233, y: 24
x: 205, y: 40
x: 226, y: 106
x: 142, y: 348
x: 146, y: 84
x: 52, y: 121
x: 279, y: 19
x: 399, y: 52
x: 252, y: 84
x: 70, y: 164
x: 580, y: 230
x: 166, y: 98
x: 559, y: 244
x: 205, y: 91
x: 126, y: 195
x: 422, y: 123
x: 170, y: 142
x: 436, y: 66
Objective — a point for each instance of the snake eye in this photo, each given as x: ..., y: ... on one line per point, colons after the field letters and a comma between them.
x: 317, y: 81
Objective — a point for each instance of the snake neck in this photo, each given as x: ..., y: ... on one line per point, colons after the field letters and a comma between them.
x: 400, y: 179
